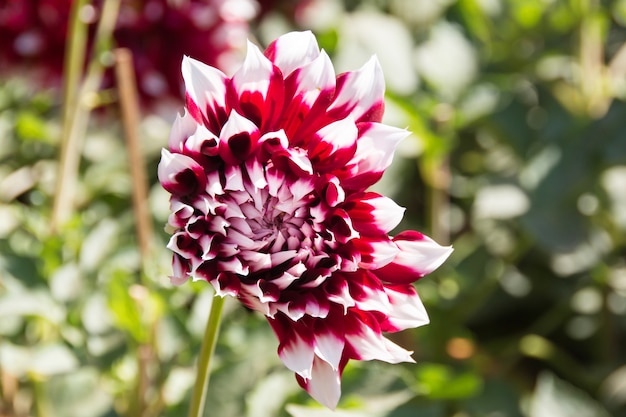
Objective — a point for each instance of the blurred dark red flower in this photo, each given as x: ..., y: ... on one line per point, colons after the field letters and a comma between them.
x: 158, y: 32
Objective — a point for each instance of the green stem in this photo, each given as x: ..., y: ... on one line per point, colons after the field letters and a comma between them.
x: 196, y: 407
x: 79, y: 102
x: 74, y: 60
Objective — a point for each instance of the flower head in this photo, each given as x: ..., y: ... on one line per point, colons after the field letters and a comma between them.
x: 268, y: 172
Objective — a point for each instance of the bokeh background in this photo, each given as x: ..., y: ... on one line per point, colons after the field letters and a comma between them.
x: 517, y: 158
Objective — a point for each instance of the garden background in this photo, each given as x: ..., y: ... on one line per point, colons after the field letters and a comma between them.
x: 517, y: 159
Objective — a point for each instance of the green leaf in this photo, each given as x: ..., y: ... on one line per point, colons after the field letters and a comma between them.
x: 29, y: 126
x: 439, y: 381
x: 125, y: 309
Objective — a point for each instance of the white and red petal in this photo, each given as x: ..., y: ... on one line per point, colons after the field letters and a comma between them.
x: 180, y: 270
x: 406, y: 309
x: 374, y: 153
x: 360, y: 94
x: 311, y: 88
x: 338, y: 292
x: 238, y: 139
x: 293, y: 160
x: 333, y: 145
x: 179, y: 174
x: 295, y: 347
x: 206, y: 93
x: 373, y: 214
x: 366, y: 341
x: 183, y: 127
x: 418, y: 255
x: 181, y: 213
x: 329, y: 339
x: 225, y: 284
x: 257, y: 89
x: 202, y: 142
x: 324, y: 385
x: 184, y: 245
x: 293, y: 50
x: 330, y: 190
x: 376, y: 251
x: 340, y: 225
x: 368, y: 292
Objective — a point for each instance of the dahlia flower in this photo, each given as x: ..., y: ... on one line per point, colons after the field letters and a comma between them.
x: 268, y: 173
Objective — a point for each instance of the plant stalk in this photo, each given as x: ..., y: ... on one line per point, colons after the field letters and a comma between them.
x: 79, y: 101
x: 129, y: 105
x: 74, y: 59
x: 209, y: 341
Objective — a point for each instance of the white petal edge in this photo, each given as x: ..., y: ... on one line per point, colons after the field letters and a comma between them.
x: 407, y: 310
x: 370, y: 345
x: 172, y: 164
x: 329, y: 347
x: 255, y: 72
x: 204, y: 84
x: 387, y: 213
x: 183, y: 127
x: 376, y: 147
x: 316, y: 76
x: 298, y: 355
x: 325, y: 384
x: 362, y: 89
x: 293, y: 50
x: 423, y: 256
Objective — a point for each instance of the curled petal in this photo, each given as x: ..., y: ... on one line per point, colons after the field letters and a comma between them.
x: 226, y: 284
x: 181, y: 213
x: 340, y: 224
x: 180, y: 273
x: 184, y: 245
x: 418, y: 255
x: 329, y: 187
x: 238, y: 139
x: 294, y: 161
x: 270, y: 143
x: 179, y: 174
x: 201, y: 142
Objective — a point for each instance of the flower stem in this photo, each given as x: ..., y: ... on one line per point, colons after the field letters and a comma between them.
x: 196, y: 407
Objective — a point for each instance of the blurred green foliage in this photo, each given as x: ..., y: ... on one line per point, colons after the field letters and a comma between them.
x: 518, y: 159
